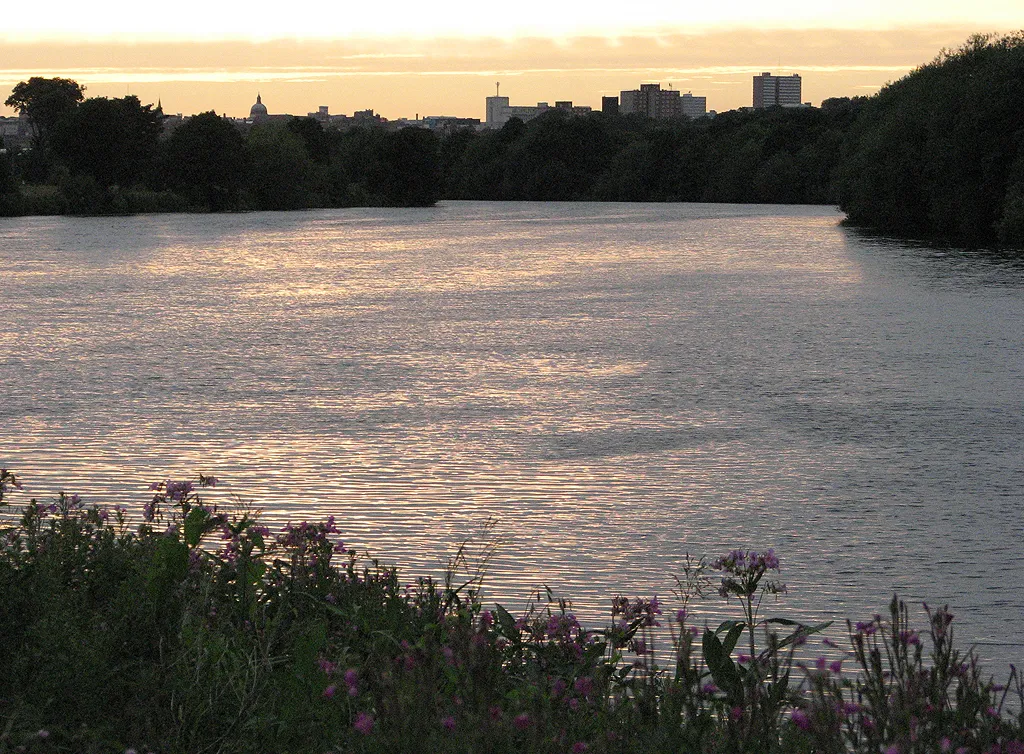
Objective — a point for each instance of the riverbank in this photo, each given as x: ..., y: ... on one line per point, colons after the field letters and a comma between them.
x: 198, y: 628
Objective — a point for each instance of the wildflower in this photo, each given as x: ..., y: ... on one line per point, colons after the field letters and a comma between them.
x: 494, y: 713
x: 43, y: 733
x: 894, y: 749
x: 909, y: 637
x: 742, y: 659
x: 709, y: 688
x: 522, y: 721
x: 681, y: 615
x: 351, y: 676
x: 486, y: 619
x: 326, y: 666
x: 836, y: 666
x: 557, y: 688
x: 736, y: 713
x: 329, y: 691
x: 820, y: 663
x: 584, y: 686
x: 579, y: 747
x: 801, y: 720
x: 574, y: 704
x: 945, y: 744
x: 829, y: 643
x: 448, y: 723
x: 363, y: 723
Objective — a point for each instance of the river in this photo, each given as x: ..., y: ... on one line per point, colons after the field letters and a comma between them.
x: 613, y: 385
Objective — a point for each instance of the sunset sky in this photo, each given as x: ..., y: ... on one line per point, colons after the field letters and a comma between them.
x: 409, y: 58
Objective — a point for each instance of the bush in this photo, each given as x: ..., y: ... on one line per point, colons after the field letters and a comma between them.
x: 200, y: 630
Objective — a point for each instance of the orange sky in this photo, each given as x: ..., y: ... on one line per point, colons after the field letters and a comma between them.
x: 448, y: 75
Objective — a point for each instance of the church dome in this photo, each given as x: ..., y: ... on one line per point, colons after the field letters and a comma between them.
x: 259, y: 110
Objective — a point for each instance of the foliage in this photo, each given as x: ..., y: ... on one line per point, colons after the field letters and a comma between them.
x: 938, y: 153
x: 112, y: 141
x: 45, y: 102
x: 205, y: 162
x: 199, y: 629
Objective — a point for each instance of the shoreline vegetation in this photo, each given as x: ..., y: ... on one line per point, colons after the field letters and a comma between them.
x: 199, y: 629
x: 937, y: 156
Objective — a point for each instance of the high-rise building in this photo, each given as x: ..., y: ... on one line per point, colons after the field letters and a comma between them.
x: 654, y: 102
x: 693, y: 107
x: 610, y: 105
x: 781, y: 91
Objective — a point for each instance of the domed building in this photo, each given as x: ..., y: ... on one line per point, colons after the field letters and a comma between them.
x: 258, y: 112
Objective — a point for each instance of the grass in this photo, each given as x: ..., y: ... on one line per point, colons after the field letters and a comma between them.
x: 199, y: 630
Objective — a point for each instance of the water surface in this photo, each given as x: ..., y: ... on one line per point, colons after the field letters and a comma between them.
x: 616, y: 385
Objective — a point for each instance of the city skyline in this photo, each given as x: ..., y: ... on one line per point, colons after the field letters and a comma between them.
x: 402, y: 77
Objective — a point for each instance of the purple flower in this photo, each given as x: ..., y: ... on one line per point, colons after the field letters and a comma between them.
x: 836, y: 666
x: 579, y: 747
x: 363, y: 723
x: 800, y: 719
x: 584, y: 686
x: 329, y: 691
x: 448, y: 723
x: 522, y: 721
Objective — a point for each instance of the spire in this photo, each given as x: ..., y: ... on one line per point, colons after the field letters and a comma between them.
x: 258, y: 100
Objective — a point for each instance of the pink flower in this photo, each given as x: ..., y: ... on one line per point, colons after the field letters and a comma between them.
x: 800, y: 719
x: 522, y: 722
x: 494, y: 713
x: 329, y: 691
x: 579, y: 747
x: 448, y: 723
x: 363, y: 723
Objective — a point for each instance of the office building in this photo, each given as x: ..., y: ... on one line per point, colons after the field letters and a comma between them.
x: 777, y: 91
x: 654, y: 102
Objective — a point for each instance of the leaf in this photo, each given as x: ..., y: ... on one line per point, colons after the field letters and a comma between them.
x: 801, y: 632
x: 507, y: 623
x: 195, y: 525
x: 733, y: 636
x: 723, y: 669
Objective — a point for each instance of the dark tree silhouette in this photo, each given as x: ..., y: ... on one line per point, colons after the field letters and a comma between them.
x: 205, y: 161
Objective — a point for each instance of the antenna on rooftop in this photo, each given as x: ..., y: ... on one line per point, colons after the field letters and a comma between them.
x: 497, y: 88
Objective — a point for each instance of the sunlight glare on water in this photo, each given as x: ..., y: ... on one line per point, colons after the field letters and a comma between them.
x: 616, y: 385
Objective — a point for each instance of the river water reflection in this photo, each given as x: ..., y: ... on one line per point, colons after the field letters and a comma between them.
x: 616, y: 385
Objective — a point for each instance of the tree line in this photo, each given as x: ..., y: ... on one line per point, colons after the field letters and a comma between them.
x: 938, y: 154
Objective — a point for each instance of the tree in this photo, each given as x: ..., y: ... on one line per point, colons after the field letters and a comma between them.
x: 45, y: 102
x: 206, y: 162
x: 282, y: 174
x: 114, y: 141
